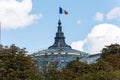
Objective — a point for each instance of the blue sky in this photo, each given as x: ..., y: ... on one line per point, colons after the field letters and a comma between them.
x: 89, y: 26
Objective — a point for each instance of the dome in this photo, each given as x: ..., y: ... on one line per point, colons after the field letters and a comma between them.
x: 59, y: 53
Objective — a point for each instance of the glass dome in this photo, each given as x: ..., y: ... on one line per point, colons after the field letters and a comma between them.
x: 59, y: 53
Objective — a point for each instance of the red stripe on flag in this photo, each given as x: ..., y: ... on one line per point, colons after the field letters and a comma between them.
x: 65, y: 12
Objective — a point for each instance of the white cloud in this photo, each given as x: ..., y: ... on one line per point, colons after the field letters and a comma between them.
x: 114, y: 13
x: 77, y: 45
x: 78, y: 21
x: 15, y: 14
x: 101, y: 35
x: 99, y: 16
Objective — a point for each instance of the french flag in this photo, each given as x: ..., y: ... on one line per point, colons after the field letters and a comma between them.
x: 61, y: 11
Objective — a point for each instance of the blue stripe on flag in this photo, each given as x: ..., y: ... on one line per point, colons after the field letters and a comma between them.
x: 60, y: 10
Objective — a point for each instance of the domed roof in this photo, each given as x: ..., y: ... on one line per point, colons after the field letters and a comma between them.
x: 59, y: 45
x: 59, y: 53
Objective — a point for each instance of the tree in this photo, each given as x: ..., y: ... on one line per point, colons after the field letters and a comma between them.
x: 114, y: 60
x: 111, y: 54
x: 101, y: 65
x: 100, y: 75
x: 78, y: 67
x: 73, y: 70
x: 49, y: 71
x: 15, y: 64
x: 111, y: 49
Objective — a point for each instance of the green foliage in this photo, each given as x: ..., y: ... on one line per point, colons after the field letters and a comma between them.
x: 111, y: 54
x: 111, y: 49
x: 113, y: 60
x: 70, y: 72
x: 100, y: 75
x: 101, y: 66
x: 78, y: 67
x: 48, y: 72
x: 16, y: 65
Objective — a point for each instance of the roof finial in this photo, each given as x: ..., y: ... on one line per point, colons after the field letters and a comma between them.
x: 59, y: 22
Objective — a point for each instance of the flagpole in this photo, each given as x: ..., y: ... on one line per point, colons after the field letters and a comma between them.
x: 59, y: 10
x: 59, y: 16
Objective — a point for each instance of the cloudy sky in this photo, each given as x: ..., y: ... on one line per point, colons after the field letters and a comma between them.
x: 89, y: 26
